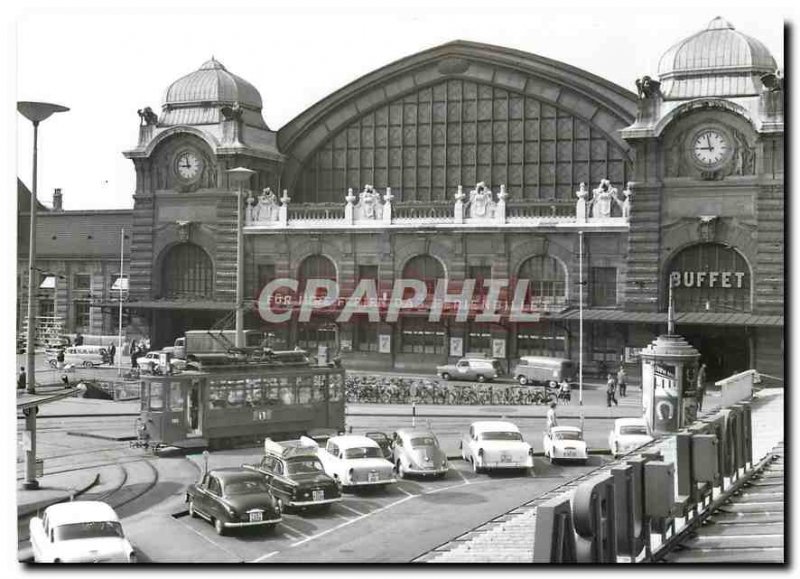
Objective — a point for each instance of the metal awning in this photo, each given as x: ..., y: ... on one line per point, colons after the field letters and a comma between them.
x: 49, y: 282
x: 681, y: 318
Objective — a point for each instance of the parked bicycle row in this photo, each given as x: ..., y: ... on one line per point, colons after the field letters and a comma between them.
x: 392, y: 390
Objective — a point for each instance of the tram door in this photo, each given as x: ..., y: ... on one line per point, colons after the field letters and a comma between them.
x: 194, y: 414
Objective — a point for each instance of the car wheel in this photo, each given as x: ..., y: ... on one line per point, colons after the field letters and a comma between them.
x: 53, y: 364
x: 523, y: 380
x: 219, y: 527
x: 481, y: 378
x: 192, y: 512
x: 87, y: 364
x: 400, y: 471
x: 445, y: 376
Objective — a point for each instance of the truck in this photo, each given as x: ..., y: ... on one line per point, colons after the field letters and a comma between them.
x: 211, y: 347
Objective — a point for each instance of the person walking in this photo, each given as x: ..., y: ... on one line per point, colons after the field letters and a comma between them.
x: 622, y: 381
x: 611, y: 391
x: 700, y: 391
x: 79, y: 339
x: 565, y: 391
x: 112, y: 350
x: 22, y: 379
x: 60, y: 359
x: 135, y: 358
x: 552, y: 420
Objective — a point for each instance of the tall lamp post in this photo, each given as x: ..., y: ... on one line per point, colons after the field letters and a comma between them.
x: 581, y: 283
x: 239, y: 176
x: 36, y: 113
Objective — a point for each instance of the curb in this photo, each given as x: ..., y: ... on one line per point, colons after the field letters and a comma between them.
x: 26, y: 510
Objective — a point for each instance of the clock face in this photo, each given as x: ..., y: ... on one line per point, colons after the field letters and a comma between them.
x: 188, y: 165
x: 710, y: 147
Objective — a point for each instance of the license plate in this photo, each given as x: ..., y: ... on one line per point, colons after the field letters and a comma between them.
x: 319, y: 495
x: 505, y: 458
x: 569, y: 452
x: 256, y: 517
x: 373, y: 477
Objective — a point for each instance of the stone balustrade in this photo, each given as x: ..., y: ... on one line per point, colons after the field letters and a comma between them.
x: 603, y: 208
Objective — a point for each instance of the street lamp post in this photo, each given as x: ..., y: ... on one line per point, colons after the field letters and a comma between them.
x: 36, y: 113
x: 239, y: 176
x: 580, y: 324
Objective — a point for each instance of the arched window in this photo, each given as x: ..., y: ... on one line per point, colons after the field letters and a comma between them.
x: 709, y: 277
x: 316, y: 267
x: 187, y: 273
x: 425, y: 268
x: 547, y: 281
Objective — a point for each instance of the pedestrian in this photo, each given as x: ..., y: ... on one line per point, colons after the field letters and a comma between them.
x: 22, y: 379
x: 611, y: 391
x: 565, y: 391
x: 111, y: 353
x: 622, y: 381
x: 135, y: 358
x: 700, y: 391
x: 552, y: 420
x: 65, y: 380
x: 60, y: 359
x: 79, y: 339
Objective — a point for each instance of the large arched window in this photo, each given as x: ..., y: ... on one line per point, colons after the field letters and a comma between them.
x: 315, y: 267
x: 425, y: 268
x: 709, y: 277
x: 187, y: 273
x: 547, y: 281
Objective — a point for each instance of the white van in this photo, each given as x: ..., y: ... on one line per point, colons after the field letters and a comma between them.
x: 542, y: 370
x: 86, y: 356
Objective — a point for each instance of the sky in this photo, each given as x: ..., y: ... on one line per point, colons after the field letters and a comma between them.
x: 106, y: 63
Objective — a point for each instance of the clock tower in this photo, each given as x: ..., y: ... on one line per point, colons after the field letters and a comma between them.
x: 708, y: 190
x: 183, y: 250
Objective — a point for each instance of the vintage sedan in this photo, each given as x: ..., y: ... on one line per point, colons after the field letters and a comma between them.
x: 495, y: 445
x: 480, y: 369
x: 79, y: 532
x: 356, y: 461
x: 384, y: 441
x: 627, y: 435
x: 233, y: 498
x: 295, y: 476
x: 565, y: 443
x: 417, y: 452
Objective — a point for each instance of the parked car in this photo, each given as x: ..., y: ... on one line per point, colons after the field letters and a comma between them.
x: 383, y: 441
x: 480, y: 369
x: 295, y: 475
x: 417, y: 452
x: 79, y: 532
x: 233, y: 497
x: 356, y: 461
x: 541, y: 370
x: 565, y: 443
x: 627, y: 435
x: 490, y: 445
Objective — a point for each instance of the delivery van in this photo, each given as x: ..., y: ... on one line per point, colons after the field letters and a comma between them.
x: 541, y: 370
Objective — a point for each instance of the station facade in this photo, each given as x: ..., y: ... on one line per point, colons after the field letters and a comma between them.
x: 476, y: 162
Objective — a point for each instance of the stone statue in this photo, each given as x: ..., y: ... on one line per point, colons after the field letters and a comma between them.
x: 602, y: 199
x: 647, y: 87
x: 481, y: 204
x: 147, y: 116
x: 267, y: 207
x: 626, y: 204
x: 369, y: 203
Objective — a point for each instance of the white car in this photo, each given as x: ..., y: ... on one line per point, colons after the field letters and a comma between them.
x: 627, y: 435
x: 356, y: 461
x: 79, y: 532
x: 565, y: 443
x: 491, y: 445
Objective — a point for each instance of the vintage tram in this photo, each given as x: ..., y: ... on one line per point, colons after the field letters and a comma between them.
x: 241, y: 401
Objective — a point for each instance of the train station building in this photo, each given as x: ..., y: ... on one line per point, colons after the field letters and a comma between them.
x: 462, y: 162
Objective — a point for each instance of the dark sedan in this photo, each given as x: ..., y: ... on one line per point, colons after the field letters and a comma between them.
x: 296, y: 477
x: 232, y: 498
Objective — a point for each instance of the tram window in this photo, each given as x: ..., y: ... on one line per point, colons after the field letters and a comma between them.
x: 303, y: 394
x: 156, y: 396
x: 336, y: 388
x: 286, y: 395
x: 271, y: 388
x: 143, y: 395
x: 176, y: 396
x: 217, y: 396
x: 236, y: 395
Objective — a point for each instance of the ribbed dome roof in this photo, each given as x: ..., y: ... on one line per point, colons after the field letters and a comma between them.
x: 212, y: 83
x: 717, y: 61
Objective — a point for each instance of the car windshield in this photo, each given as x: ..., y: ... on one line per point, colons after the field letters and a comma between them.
x: 378, y: 437
x: 248, y: 486
x: 91, y: 530
x: 633, y: 429
x: 500, y: 436
x: 363, y: 452
x: 423, y: 441
x: 304, y: 466
x: 567, y: 435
